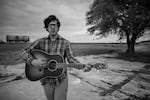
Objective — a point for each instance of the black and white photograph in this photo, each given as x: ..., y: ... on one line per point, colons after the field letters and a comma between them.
x: 74, y: 50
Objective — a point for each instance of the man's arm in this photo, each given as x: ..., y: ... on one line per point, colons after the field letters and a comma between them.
x: 25, y: 53
x: 72, y: 59
x: 69, y: 54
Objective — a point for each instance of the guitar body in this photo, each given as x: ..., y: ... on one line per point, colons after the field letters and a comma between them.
x: 33, y: 73
x: 54, y: 68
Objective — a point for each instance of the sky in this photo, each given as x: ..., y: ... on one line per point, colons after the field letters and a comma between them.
x: 25, y: 17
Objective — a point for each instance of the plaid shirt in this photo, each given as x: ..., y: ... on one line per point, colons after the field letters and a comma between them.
x: 59, y: 46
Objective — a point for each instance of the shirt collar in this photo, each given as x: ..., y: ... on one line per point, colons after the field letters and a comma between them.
x: 58, y: 37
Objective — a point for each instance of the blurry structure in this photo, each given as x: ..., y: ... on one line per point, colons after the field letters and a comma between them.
x: 17, y: 39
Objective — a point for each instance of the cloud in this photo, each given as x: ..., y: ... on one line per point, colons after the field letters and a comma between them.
x: 26, y: 17
x: 16, y: 12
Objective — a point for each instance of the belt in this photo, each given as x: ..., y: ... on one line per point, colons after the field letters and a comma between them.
x: 54, y: 81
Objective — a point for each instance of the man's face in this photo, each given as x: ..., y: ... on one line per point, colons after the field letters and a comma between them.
x: 53, y: 27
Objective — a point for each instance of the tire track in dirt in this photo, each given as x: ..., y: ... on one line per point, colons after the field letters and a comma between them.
x: 117, y: 87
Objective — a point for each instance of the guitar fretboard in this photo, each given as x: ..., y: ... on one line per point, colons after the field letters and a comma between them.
x: 71, y: 65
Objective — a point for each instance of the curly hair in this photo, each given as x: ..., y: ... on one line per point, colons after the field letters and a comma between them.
x: 49, y: 19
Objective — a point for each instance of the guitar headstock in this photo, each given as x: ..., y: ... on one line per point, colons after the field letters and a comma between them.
x: 100, y: 65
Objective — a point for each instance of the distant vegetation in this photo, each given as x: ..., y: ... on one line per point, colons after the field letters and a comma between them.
x: 128, y: 19
x: 9, y: 53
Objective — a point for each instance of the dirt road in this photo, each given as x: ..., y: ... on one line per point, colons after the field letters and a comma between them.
x: 122, y: 80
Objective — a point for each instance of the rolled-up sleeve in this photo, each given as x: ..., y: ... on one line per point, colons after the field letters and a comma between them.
x: 69, y: 54
x: 25, y: 53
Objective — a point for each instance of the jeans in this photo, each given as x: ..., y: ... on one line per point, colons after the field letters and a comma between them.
x: 56, y: 92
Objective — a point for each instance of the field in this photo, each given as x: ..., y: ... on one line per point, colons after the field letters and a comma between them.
x: 9, y: 53
x: 123, y: 80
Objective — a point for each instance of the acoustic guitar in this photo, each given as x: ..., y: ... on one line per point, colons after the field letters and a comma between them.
x: 54, y: 66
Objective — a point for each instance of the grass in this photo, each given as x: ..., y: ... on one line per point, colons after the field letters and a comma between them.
x: 83, y: 49
x: 9, y: 53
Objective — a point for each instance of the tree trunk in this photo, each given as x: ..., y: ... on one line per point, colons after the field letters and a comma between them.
x: 130, y: 44
x: 131, y: 49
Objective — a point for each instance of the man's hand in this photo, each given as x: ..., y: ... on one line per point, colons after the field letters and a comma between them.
x: 39, y: 63
x: 87, y: 68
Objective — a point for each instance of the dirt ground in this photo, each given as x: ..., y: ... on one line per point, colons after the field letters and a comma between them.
x: 123, y: 80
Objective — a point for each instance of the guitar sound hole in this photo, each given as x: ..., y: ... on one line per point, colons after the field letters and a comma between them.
x: 52, y: 65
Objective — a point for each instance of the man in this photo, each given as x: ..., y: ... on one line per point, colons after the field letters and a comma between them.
x: 53, y: 44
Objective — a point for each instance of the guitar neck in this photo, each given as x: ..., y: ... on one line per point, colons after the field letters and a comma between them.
x: 70, y: 65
